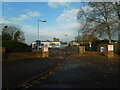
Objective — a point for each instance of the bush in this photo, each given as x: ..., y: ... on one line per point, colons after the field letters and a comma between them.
x: 14, y: 46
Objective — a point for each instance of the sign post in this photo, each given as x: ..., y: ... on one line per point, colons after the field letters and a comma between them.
x: 90, y: 45
x: 110, y: 51
x: 102, y: 49
x: 38, y: 43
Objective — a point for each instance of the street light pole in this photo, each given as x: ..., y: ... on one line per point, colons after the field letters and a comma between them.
x: 38, y: 30
x: 38, y: 27
x: 38, y: 39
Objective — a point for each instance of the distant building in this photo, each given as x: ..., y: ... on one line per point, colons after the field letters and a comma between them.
x: 33, y: 44
x: 55, y: 39
x: 64, y: 44
x: 73, y: 43
x: 49, y: 44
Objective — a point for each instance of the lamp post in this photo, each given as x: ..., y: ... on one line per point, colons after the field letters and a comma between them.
x: 66, y: 39
x: 38, y: 39
x: 38, y: 30
x: 38, y: 27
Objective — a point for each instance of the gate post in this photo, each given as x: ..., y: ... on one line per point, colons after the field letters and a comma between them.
x: 45, y: 52
x: 81, y: 49
x: 110, y: 51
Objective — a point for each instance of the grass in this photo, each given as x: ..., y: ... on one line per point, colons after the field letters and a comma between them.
x: 20, y: 56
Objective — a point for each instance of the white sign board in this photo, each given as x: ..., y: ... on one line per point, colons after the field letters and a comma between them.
x: 90, y: 44
x: 110, y: 47
x: 45, y: 49
x: 102, y: 49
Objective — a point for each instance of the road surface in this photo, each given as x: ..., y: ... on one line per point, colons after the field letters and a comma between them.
x: 84, y: 71
x: 18, y: 72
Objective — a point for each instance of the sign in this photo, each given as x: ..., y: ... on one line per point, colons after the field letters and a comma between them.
x: 90, y: 44
x: 102, y: 49
x: 45, y: 49
x: 110, y: 47
x: 38, y: 42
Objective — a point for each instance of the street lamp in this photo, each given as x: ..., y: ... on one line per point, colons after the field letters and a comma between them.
x: 38, y: 40
x: 66, y: 38
x: 38, y: 28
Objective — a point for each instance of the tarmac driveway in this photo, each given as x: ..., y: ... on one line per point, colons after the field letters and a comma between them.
x: 84, y: 71
x: 18, y: 72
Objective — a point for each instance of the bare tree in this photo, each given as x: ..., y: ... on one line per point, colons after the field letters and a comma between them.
x: 12, y: 33
x: 116, y: 8
x: 85, y: 38
x: 102, y: 20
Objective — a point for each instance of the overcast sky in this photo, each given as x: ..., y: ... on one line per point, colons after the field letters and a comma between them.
x: 61, y: 19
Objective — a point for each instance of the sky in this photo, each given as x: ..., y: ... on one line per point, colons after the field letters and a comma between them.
x: 61, y: 19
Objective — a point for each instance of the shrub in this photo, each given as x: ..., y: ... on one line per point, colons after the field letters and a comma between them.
x: 14, y: 46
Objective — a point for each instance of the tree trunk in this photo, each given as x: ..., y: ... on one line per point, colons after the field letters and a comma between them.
x: 109, y: 34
